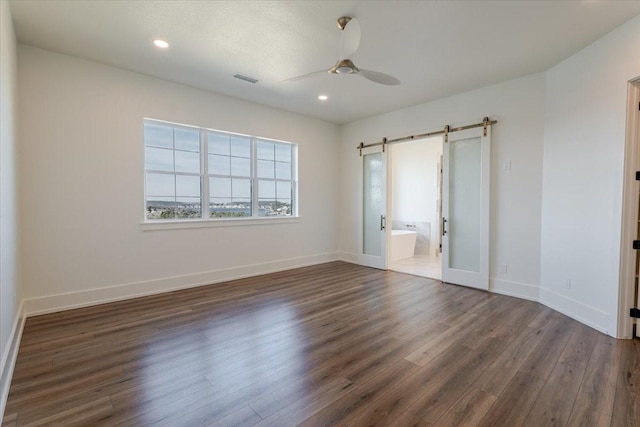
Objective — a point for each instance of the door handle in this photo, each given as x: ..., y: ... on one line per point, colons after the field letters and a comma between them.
x: 444, y: 230
x: 383, y: 223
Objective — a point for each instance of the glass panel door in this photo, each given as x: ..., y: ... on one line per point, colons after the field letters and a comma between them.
x: 373, y: 208
x: 373, y: 204
x: 465, y: 231
x: 464, y: 204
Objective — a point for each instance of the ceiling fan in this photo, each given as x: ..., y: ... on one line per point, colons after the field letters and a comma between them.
x: 349, y: 43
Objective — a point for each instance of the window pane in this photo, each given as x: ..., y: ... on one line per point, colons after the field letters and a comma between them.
x: 267, y: 190
x: 160, y: 184
x: 158, y: 136
x: 283, y: 190
x: 187, y: 186
x: 241, y: 188
x: 223, y: 208
x: 219, y: 165
x: 266, y: 207
x: 217, y: 202
x: 188, y: 140
x: 283, y: 153
x: 240, y: 166
x: 161, y: 200
x: 283, y: 207
x: 187, y: 161
x: 283, y: 170
x: 220, y: 187
x: 160, y: 207
x: 158, y: 159
x: 188, y: 200
x: 242, y: 203
x: 265, y: 150
x: 187, y: 207
x: 240, y: 147
x: 218, y: 143
x: 266, y: 169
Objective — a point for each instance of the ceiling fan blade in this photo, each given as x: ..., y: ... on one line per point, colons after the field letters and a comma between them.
x: 305, y: 76
x: 382, y: 78
x: 350, y: 39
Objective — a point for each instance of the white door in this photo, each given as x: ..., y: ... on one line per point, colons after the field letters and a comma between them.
x: 372, y: 236
x: 465, y: 208
x: 638, y: 306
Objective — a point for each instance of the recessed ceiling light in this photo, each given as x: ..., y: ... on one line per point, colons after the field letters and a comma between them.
x: 161, y: 43
x: 323, y: 97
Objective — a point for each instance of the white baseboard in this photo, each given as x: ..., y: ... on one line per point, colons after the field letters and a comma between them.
x: 67, y: 301
x: 348, y: 257
x: 576, y: 310
x: 8, y: 361
x: 514, y: 289
x: 567, y: 306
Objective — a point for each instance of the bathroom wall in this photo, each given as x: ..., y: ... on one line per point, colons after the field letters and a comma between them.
x: 415, y: 195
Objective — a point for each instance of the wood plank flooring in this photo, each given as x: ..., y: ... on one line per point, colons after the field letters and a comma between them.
x: 329, y: 345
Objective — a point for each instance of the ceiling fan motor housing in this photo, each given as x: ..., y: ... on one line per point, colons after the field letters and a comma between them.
x: 344, y: 66
x: 343, y: 21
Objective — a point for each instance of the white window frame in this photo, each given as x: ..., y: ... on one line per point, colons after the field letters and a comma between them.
x: 205, y: 219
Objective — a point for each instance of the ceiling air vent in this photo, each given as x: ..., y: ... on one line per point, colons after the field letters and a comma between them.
x: 245, y: 78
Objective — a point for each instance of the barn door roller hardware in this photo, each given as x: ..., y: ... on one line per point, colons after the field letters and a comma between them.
x: 486, y: 122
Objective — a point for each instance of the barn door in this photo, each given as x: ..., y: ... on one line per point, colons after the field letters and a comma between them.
x: 373, y: 208
x: 465, y: 207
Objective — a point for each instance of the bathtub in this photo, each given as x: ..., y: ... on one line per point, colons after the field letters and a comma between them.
x: 402, y: 244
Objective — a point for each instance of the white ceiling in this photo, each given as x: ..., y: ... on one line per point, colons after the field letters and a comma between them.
x: 436, y: 48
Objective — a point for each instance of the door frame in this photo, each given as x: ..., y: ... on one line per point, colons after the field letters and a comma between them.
x: 391, y: 197
x: 629, y: 232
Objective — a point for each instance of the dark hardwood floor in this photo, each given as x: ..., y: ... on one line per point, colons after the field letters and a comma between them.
x: 333, y: 344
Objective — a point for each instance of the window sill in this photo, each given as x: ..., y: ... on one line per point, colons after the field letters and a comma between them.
x: 206, y: 223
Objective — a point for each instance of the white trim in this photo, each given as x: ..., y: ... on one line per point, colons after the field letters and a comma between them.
x: 629, y: 227
x: 349, y: 257
x: 576, y: 310
x: 205, y: 223
x: 205, y: 207
x: 515, y: 289
x: 8, y: 361
x: 67, y: 301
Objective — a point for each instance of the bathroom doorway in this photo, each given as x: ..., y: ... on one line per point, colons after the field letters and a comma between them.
x: 415, y: 200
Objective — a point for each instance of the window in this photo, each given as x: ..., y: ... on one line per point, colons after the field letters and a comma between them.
x: 236, y: 176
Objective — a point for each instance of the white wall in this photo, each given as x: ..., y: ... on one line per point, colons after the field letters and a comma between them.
x: 556, y: 218
x: 9, y: 289
x: 516, y: 193
x: 82, y: 186
x: 80, y: 126
x: 414, y: 183
x: 585, y: 113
